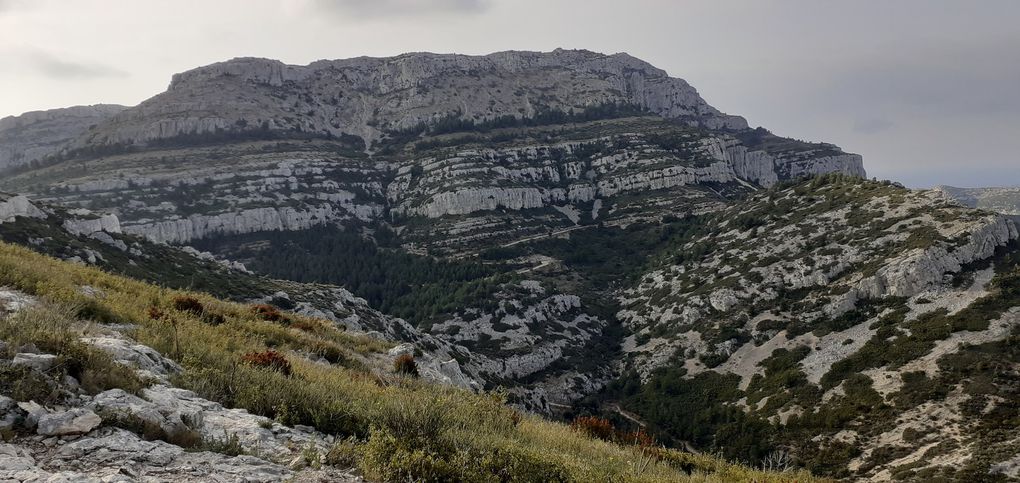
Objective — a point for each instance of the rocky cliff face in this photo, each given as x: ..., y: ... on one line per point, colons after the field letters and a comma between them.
x: 12, y: 207
x: 367, y: 97
x: 33, y: 136
x: 252, y: 145
x: 644, y: 166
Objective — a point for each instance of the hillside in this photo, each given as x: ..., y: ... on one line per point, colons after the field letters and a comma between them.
x: 310, y: 401
x: 837, y: 317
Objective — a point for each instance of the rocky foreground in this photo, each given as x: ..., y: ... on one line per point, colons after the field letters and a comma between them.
x: 84, y: 438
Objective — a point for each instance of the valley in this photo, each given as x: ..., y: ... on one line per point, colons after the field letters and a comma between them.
x: 579, y: 233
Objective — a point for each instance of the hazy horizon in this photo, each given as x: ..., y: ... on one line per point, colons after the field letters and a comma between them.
x: 924, y: 90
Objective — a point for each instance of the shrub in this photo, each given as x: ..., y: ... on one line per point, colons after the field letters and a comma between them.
x: 305, y: 325
x: 184, y: 303
x: 636, y: 438
x: 46, y: 327
x: 343, y: 454
x: 24, y: 384
x: 155, y: 313
x: 387, y: 458
x: 517, y: 465
x: 595, y: 427
x: 230, y: 445
x: 268, y: 313
x: 421, y: 421
x: 405, y: 364
x: 269, y: 359
x: 213, y: 319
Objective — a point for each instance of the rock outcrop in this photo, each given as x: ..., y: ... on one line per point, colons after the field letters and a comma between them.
x: 35, y: 135
x: 252, y: 145
x: 12, y: 207
x: 88, y: 440
x: 64, y: 423
x: 365, y: 96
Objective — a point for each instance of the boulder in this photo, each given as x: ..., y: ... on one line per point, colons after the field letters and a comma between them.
x: 14, y: 462
x: 39, y: 362
x: 10, y: 414
x: 116, y: 403
x: 33, y: 413
x: 146, y: 359
x: 74, y: 421
x: 402, y: 349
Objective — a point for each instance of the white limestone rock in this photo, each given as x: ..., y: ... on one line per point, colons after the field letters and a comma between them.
x: 74, y: 421
x: 401, y: 92
x: 143, y: 358
x: 39, y: 362
x: 92, y: 225
x: 15, y: 206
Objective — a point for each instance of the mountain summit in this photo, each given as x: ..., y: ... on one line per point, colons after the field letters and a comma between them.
x: 368, y: 97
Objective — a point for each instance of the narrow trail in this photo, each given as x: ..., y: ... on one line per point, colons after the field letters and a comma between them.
x: 547, y: 235
x: 687, y: 446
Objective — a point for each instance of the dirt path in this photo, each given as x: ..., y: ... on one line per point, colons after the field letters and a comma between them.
x: 547, y: 235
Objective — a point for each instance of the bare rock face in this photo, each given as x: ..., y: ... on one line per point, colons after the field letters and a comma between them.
x: 74, y: 421
x: 145, y: 359
x: 12, y: 207
x: 39, y: 362
x: 364, y: 96
x: 252, y: 145
x: 35, y: 135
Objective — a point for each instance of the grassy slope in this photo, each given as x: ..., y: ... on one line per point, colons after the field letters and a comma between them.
x: 401, y: 427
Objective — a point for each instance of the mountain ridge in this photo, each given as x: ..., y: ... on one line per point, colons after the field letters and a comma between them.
x: 579, y: 231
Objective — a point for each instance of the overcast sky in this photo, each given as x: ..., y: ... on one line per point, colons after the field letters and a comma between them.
x: 928, y: 91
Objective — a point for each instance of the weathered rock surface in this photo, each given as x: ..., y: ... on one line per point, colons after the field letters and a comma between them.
x: 34, y: 135
x: 144, y: 358
x: 907, y: 254
x: 15, y: 206
x: 84, y: 443
x: 364, y: 95
x: 39, y: 362
x: 115, y: 455
x: 656, y: 157
x: 74, y: 421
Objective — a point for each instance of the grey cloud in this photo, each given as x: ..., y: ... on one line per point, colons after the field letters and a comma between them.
x: 973, y: 80
x: 872, y: 125
x: 380, y: 8
x: 61, y: 69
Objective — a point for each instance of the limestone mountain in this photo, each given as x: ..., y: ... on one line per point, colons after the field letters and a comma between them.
x: 34, y: 136
x: 373, y: 97
x: 578, y: 230
x: 1002, y: 200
